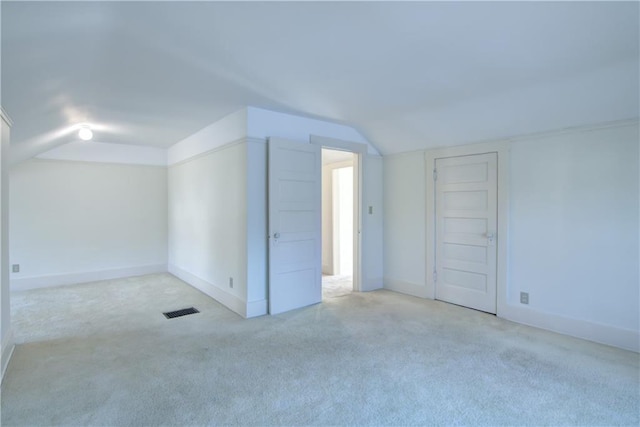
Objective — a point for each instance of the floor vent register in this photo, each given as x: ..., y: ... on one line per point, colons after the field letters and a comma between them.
x: 179, y: 313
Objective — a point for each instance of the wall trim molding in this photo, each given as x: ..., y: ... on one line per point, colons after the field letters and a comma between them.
x: 232, y: 302
x: 591, y: 331
x: 109, y: 153
x: 603, y: 334
x: 37, y: 282
x: 90, y: 162
x: 410, y: 153
x: 254, y: 140
x: 8, y: 347
x: 528, y: 136
x: 573, y: 129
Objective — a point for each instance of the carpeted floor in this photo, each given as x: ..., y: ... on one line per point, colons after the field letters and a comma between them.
x: 103, y: 354
x: 336, y: 286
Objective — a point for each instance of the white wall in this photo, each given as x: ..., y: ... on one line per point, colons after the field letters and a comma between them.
x: 372, y: 223
x: 257, y: 243
x: 327, y: 220
x: 405, y: 223
x: 74, y: 221
x: 208, y: 223
x: 573, y: 231
x: 6, y: 337
x: 574, y: 226
x: 231, y: 128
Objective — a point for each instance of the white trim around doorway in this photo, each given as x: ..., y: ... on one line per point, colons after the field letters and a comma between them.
x: 359, y: 150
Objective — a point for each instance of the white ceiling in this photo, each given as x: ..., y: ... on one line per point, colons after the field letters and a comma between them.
x: 406, y: 75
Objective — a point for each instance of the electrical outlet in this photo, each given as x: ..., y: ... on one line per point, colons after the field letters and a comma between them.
x: 524, y: 297
x: 231, y: 282
x: 15, y: 268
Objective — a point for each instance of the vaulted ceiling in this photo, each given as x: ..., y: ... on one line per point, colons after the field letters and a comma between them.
x: 407, y: 76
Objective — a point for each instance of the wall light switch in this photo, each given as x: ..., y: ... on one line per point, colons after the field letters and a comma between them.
x: 370, y: 210
x: 15, y: 268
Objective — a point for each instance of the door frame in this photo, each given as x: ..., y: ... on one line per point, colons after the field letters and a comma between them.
x: 502, y: 150
x: 359, y: 151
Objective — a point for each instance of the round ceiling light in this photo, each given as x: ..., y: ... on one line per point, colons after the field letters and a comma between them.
x: 85, y: 133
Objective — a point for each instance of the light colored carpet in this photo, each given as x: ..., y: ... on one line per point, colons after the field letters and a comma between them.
x: 336, y: 286
x: 103, y: 354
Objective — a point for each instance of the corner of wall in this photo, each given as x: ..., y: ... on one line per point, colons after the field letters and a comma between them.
x: 6, y: 332
x: 228, y: 129
x: 256, y: 308
x: 217, y: 192
x: 8, y: 346
x: 232, y: 302
x: 404, y: 225
x: 256, y: 223
x: 407, y: 288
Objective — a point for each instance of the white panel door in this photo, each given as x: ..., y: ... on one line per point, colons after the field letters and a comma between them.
x: 466, y: 226
x: 295, y: 233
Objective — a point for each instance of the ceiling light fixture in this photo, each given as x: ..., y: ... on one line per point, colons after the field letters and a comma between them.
x: 85, y: 133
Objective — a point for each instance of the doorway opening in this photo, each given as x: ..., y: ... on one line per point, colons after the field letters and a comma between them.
x: 338, y: 222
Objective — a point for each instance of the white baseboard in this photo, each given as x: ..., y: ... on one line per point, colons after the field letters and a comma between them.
x: 408, y: 288
x: 232, y: 302
x: 8, y: 346
x: 26, y: 283
x: 257, y: 308
x: 604, y: 334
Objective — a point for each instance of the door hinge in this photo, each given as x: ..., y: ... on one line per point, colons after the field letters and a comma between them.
x: 435, y: 276
x: 435, y: 174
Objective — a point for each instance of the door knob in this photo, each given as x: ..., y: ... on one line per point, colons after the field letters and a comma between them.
x: 490, y: 237
x: 276, y: 235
